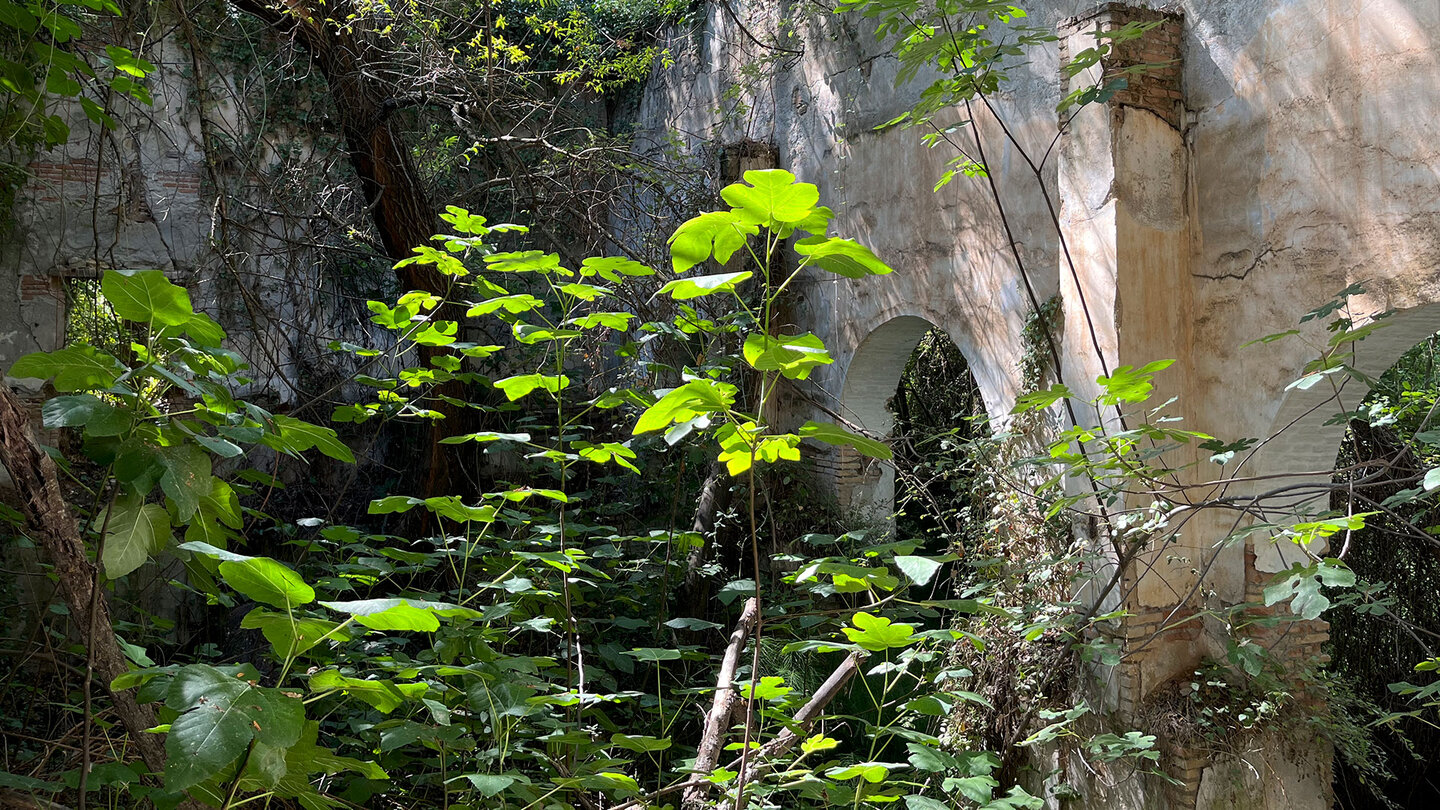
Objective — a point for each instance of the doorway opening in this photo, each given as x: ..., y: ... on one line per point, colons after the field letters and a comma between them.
x: 938, y: 412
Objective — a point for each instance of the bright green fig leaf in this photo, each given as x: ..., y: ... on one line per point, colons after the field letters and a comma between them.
x: 772, y: 196
x: 146, y: 296
x: 843, y: 257
x: 692, y: 399
x: 878, y: 633
x: 520, y: 385
x: 717, y: 233
x: 792, y: 355
x: 684, y: 289
x: 384, y: 695
x: 74, y: 368
x: 268, y: 581
x: 401, y: 614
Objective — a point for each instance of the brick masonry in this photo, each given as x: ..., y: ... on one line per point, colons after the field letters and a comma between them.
x: 50, y: 175
x: 181, y: 182
x: 1150, y: 65
x: 41, y: 287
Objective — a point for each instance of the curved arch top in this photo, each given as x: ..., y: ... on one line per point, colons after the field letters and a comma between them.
x: 869, y: 383
x: 1306, y: 437
x: 874, y: 371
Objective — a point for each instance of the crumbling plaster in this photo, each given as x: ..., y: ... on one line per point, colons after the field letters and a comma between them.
x: 1304, y: 161
x: 143, y: 195
x: 1309, y: 150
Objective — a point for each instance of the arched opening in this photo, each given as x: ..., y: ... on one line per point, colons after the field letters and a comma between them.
x: 908, y: 382
x: 1393, y: 622
x: 862, y: 485
x: 1375, y: 439
x: 938, y: 412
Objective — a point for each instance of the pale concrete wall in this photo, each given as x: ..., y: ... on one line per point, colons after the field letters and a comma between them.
x: 1308, y: 164
x: 820, y: 113
x: 1301, y: 157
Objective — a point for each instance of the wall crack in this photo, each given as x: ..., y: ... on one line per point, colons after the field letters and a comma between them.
x: 1241, y: 275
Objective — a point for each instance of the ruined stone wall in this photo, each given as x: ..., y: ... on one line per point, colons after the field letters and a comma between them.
x: 1284, y: 150
x: 227, y: 198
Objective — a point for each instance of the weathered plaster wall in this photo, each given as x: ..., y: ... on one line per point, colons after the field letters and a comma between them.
x: 820, y: 112
x: 1300, y: 156
x: 237, y: 223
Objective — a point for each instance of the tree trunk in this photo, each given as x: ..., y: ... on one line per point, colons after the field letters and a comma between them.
x: 694, y: 594
x: 394, y: 195
x: 399, y: 205
x: 52, y: 524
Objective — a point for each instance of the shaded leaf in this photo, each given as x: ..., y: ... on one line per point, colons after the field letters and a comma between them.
x: 836, y: 435
x: 220, y: 715
x: 135, y: 531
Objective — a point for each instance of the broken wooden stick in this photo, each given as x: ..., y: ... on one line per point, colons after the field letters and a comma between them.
x: 805, y: 719
x: 764, y: 758
x: 717, y: 721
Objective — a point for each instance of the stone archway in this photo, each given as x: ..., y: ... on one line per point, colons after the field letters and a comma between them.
x: 867, y: 485
x: 1299, y: 451
x: 1305, y: 435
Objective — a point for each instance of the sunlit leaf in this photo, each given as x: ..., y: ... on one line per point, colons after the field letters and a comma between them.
x: 146, y: 296
x: 877, y: 633
x: 717, y: 233
x: 836, y: 435
x: 843, y: 257
x: 384, y: 695
x: 771, y: 196
x: 74, y: 368
x: 684, y: 289
x: 792, y: 355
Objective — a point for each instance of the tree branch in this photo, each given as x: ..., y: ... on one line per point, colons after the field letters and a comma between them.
x: 33, y: 473
x: 718, y: 720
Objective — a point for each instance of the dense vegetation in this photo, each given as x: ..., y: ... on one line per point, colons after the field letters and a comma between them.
x: 536, y: 538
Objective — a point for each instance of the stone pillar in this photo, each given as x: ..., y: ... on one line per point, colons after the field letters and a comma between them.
x: 1125, y: 284
x: 1126, y: 217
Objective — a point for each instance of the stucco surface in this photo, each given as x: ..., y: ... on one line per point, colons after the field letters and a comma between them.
x: 1304, y: 160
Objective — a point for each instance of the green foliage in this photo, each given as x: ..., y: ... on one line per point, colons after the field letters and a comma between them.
x: 160, y: 455
x: 43, y: 61
x: 485, y: 629
x: 1302, y: 586
x: 500, y: 647
x: 224, y: 716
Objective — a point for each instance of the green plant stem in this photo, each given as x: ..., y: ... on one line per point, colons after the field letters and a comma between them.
x: 750, y: 714
x: 235, y: 784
